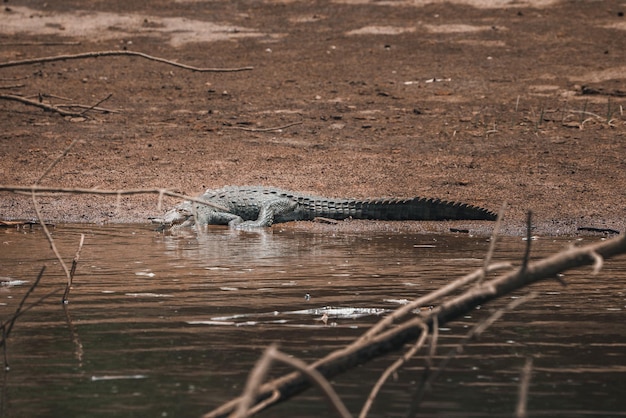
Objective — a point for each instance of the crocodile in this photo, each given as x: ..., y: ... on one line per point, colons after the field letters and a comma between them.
x: 247, y: 207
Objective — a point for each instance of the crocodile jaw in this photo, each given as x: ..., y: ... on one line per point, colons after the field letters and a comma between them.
x: 183, y: 213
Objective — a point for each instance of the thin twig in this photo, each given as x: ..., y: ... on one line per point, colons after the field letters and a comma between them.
x: 53, y: 247
x: 315, y: 377
x: 392, y: 369
x: 522, y: 400
x: 529, y: 219
x: 46, y: 43
x: 56, y: 161
x: 97, y: 104
x: 259, y: 372
x: 492, y: 242
x: 277, y: 128
x: 255, y: 379
x: 73, y: 270
x: 97, y: 54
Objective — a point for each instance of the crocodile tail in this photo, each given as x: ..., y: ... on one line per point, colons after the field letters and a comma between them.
x: 415, y: 209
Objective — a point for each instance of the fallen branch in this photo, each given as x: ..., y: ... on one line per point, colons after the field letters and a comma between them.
x: 119, y: 53
x: 378, y: 345
x: 41, y: 105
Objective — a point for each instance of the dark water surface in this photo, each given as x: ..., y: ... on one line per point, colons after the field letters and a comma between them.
x: 170, y: 325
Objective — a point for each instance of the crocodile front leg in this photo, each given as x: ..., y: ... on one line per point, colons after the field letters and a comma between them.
x: 206, y: 215
x: 268, y: 213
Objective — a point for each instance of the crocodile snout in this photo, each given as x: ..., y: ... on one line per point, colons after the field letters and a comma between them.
x: 176, y: 216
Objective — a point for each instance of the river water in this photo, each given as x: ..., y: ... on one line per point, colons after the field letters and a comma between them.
x: 165, y: 325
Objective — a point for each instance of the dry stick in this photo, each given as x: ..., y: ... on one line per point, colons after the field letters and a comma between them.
x: 73, y: 270
x: 474, y: 333
x: 524, y: 383
x: 82, y: 106
x: 97, y: 104
x: 354, y: 355
x: 53, y: 247
x: 392, y: 369
x: 529, y: 219
x: 49, y: 108
x: 492, y: 242
x: 119, y: 53
x: 277, y: 128
x: 56, y: 161
x: 255, y: 379
x: 260, y: 370
x: 48, y: 189
x: 315, y: 377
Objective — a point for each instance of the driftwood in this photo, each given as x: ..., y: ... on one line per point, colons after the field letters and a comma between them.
x: 378, y: 344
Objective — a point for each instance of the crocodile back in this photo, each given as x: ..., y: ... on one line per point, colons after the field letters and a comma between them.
x: 418, y: 209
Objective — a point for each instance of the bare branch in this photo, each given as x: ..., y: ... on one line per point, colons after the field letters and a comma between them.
x: 56, y: 161
x: 492, y: 242
x: 393, y: 339
x: 47, y: 107
x: 260, y: 370
x: 392, y: 369
x: 53, y: 247
x: 97, y: 54
x: 73, y: 270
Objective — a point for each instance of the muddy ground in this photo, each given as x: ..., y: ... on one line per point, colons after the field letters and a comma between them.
x: 483, y: 102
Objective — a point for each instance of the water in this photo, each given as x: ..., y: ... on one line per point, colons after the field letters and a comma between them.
x: 170, y: 325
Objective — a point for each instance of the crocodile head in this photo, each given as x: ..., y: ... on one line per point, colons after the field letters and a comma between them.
x: 181, y: 215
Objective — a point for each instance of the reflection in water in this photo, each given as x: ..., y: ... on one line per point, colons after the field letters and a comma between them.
x: 170, y: 325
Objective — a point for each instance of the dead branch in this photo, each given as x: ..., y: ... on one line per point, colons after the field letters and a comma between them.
x: 97, y: 54
x: 259, y: 373
x: 392, y: 340
x: 56, y: 161
x: 392, y: 369
x: 492, y: 242
x: 53, y: 246
x: 41, y: 105
x: 70, y: 279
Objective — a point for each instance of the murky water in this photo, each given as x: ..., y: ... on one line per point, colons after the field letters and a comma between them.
x: 170, y: 325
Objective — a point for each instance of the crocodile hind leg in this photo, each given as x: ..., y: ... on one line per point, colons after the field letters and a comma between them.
x: 269, y: 211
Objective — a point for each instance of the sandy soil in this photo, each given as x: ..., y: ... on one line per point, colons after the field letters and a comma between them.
x: 483, y: 102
